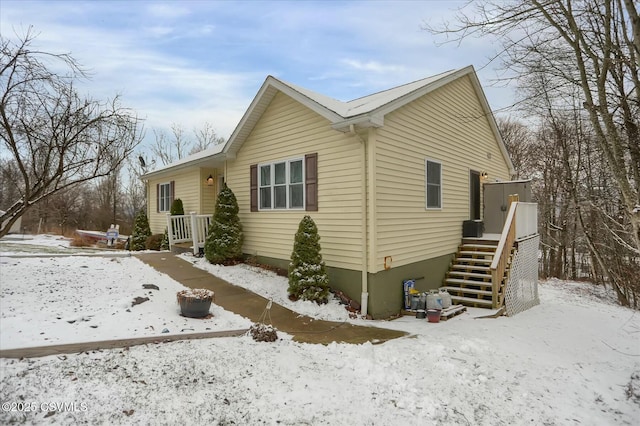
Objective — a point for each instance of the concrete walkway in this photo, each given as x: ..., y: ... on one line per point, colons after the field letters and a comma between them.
x: 250, y: 305
x: 232, y: 298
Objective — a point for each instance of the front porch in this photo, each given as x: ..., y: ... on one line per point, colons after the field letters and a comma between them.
x: 188, y: 232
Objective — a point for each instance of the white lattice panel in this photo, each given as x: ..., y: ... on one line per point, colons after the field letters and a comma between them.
x: 522, y: 286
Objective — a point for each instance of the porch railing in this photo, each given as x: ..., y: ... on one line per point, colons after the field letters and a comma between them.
x: 526, y: 219
x: 521, y: 222
x: 501, y: 258
x: 188, y: 228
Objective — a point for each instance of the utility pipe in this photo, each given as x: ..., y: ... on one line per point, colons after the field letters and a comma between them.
x: 364, y: 297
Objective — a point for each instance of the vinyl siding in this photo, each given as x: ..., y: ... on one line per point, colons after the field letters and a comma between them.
x: 208, y: 194
x: 447, y: 126
x: 288, y: 130
x: 188, y: 184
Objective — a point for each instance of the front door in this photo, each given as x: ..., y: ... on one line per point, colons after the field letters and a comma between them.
x: 474, y: 195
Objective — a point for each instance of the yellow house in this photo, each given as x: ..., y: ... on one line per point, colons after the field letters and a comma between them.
x: 389, y: 179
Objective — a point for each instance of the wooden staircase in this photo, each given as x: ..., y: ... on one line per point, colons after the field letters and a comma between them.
x: 469, y: 280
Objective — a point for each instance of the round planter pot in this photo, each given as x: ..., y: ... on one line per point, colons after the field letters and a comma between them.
x: 195, y: 308
x: 195, y: 303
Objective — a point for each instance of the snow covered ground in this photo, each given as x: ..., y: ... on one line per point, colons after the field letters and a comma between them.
x: 574, y: 359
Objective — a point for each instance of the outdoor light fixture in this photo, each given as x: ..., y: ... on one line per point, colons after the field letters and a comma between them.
x: 210, y: 180
x: 484, y: 176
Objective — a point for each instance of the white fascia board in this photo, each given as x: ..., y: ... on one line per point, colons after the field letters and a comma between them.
x: 363, y: 121
x: 238, y: 137
x: 220, y: 157
x: 306, y: 101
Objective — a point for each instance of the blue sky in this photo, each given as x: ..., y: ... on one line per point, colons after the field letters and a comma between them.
x: 190, y: 62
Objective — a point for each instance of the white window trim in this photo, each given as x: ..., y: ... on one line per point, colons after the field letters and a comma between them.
x: 287, y: 162
x: 426, y: 184
x: 168, y: 198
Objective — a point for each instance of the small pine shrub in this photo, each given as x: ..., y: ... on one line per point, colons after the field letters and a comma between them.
x: 308, y: 279
x: 176, y: 207
x: 154, y: 242
x: 141, y: 231
x: 224, y: 239
x: 164, y: 245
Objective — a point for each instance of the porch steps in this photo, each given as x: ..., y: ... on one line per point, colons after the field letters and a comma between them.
x: 453, y: 290
x: 469, y: 280
x: 491, y: 248
x: 466, y: 274
x: 458, y: 266
x: 462, y: 283
x: 471, y: 261
x: 478, y: 253
x: 471, y: 301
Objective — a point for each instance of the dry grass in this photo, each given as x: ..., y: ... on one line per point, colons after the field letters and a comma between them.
x: 79, y: 241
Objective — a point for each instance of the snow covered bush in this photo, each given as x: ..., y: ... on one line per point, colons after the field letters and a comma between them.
x: 224, y: 239
x: 263, y: 333
x: 141, y: 231
x: 307, y: 277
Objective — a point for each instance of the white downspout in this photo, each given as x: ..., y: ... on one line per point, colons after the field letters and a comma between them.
x: 364, y: 297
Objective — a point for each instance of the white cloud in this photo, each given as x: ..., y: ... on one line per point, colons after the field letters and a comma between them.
x: 190, y: 62
x: 373, y: 66
x: 159, y: 30
x: 167, y: 10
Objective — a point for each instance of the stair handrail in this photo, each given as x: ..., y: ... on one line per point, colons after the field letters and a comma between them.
x: 501, y: 257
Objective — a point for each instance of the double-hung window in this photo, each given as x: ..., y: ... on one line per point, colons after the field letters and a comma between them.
x: 281, y: 185
x: 433, y: 174
x: 164, y: 197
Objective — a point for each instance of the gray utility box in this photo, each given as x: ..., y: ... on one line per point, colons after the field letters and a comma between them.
x: 472, y: 228
x: 496, y: 202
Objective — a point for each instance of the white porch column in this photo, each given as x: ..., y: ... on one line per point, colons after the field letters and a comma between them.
x: 194, y: 233
x: 170, y: 230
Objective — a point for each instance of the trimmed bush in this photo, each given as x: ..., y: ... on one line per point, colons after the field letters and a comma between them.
x: 224, y: 239
x: 141, y: 232
x: 176, y: 207
x: 154, y: 242
x: 308, y: 279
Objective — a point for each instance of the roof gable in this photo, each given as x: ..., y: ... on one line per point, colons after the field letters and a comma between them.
x: 367, y: 111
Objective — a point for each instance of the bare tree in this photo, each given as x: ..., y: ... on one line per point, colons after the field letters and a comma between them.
x: 57, y: 138
x: 582, y: 223
x: 589, y: 45
x: 178, y: 145
x: 206, y: 137
x: 170, y: 148
x: 518, y: 139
